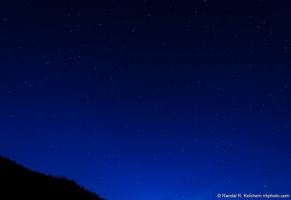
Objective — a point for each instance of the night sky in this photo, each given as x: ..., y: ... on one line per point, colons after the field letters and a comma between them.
x: 149, y: 100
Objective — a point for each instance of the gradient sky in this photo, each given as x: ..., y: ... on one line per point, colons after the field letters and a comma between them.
x: 149, y: 100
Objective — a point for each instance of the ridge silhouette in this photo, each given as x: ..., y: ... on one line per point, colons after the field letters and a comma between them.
x: 17, y: 181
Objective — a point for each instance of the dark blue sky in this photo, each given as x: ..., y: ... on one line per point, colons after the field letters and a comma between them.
x: 147, y: 99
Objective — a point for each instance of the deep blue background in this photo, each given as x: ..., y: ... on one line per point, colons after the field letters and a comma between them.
x: 147, y: 99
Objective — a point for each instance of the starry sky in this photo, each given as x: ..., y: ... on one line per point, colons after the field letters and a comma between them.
x: 139, y: 100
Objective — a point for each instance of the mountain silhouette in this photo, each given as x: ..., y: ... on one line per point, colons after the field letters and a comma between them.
x: 17, y: 181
